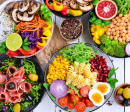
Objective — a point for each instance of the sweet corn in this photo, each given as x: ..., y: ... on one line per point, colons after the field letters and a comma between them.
x: 58, y: 69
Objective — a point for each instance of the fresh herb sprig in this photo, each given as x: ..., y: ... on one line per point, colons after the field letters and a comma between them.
x: 15, y: 28
x: 112, y: 81
x: 95, y: 2
x: 3, y: 47
x: 96, y: 21
x: 25, y: 44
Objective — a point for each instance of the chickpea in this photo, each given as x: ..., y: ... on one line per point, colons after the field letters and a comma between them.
x: 115, y: 22
x: 120, y: 15
x: 118, y: 20
x: 123, y: 18
x: 118, y: 24
x: 123, y: 38
x: 127, y: 40
x: 114, y: 33
x: 120, y: 40
x: 113, y: 30
x: 115, y: 38
x: 108, y: 33
x: 126, y: 36
x: 120, y: 27
x: 122, y: 23
x: 109, y: 29
x: 111, y: 25
x: 111, y: 37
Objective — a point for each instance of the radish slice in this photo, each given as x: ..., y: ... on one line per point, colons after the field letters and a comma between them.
x: 127, y: 49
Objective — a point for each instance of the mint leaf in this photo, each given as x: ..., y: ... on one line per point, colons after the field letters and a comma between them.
x: 103, y: 25
x: 3, y: 47
x: 95, y: 2
x: 47, y: 86
x: 27, y: 43
x: 25, y: 40
x: 112, y: 72
x: 97, y: 22
x: 113, y: 85
x: 107, y: 23
x: 15, y: 27
x: 26, y: 48
x: 52, y: 97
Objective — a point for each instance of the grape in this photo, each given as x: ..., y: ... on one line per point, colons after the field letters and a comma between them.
x: 5, y: 108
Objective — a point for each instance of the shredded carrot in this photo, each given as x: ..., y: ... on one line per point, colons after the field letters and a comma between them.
x: 33, y: 25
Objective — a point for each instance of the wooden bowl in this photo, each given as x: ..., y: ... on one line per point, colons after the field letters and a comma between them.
x: 71, y: 39
x: 120, y: 86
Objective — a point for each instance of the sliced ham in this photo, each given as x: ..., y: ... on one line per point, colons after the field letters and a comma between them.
x: 1, y: 89
x: 4, y: 97
x: 3, y: 78
x: 11, y: 70
x: 14, y: 98
x: 24, y: 87
x: 11, y: 90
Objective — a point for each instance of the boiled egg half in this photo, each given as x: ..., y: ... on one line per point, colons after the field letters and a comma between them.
x: 103, y: 87
x: 96, y: 97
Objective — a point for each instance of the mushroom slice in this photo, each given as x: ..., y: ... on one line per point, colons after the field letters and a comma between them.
x: 82, y: 1
x: 86, y: 7
x: 74, y: 5
x: 16, y: 5
x: 24, y: 16
x: 34, y: 9
x: 24, y: 6
x: 14, y: 16
x: 9, y: 7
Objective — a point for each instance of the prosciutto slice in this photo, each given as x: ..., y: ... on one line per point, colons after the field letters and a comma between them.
x: 3, y: 78
x: 4, y: 97
x: 1, y: 89
x: 24, y: 87
x: 14, y: 98
x: 11, y: 90
x: 11, y: 70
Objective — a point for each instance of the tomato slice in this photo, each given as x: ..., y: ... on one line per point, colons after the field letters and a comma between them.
x: 83, y: 100
x: 84, y: 91
x: 80, y: 107
x: 74, y: 98
x: 72, y: 92
x: 63, y: 101
x: 89, y: 103
x: 70, y: 105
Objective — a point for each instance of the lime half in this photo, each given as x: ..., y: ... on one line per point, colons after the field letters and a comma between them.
x: 14, y: 41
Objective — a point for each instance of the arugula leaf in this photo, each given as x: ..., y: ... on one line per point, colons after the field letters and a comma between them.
x: 97, y: 22
x: 52, y: 97
x: 112, y: 72
x: 80, y: 60
x: 95, y: 2
x: 47, y: 86
x: 107, y: 23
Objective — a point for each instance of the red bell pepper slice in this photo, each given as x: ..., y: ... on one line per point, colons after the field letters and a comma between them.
x: 65, y: 11
x: 13, y: 53
x: 27, y: 53
x: 39, y: 47
x: 48, y: 5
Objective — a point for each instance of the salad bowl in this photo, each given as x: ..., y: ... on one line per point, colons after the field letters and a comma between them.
x: 55, y: 100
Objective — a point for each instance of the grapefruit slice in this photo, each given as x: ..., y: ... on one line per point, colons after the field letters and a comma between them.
x: 106, y: 10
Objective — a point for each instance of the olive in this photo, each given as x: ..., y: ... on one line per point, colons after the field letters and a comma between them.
x: 127, y: 87
x: 11, y: 85
x: 5, y: 108
x: 33, y: 77
x: 119, y: 98
x: 28, y: 98
x: 126, y: 102
x: 20, y: 62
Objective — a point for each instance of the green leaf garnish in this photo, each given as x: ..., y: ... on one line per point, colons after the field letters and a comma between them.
x: 26, y: 48
x: 25, y: 44
x: 47, y: 86
x: 107, y: 23
x: 95, y: 2
x: 52, y: 97
x: 112, y: 72
x: 3, y: 47
x: 15, y: 28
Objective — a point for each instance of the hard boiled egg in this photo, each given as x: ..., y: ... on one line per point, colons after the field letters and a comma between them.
x: 96, y: 97
x: 103, y: 87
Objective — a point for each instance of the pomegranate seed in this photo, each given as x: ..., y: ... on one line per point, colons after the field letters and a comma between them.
x: 108, y: 68
x: 12, y: 104
x: 100, y: 71
x: 97, y: 79
x: 97, y: 56
x: 10, y: 60
x: 105, y: 71
x: 105, y: 80
x: 4, y: 73
x: 4, y: 64
x: 32, y: 84
x: 4, y: 70
x: 102, y: 74
x: 92, y: 66
x: 98, y: 75
x: 106, y: 75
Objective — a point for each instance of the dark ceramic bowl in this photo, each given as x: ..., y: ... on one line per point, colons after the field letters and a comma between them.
x: 66, y: 16
x: 40, y: 80
x: 91, y: 37
x: 100, y: 53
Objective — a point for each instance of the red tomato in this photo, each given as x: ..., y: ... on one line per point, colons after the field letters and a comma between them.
x: 74, y: 98
x: 65, y: 11
x: 89, y: 103
x: 63, y: 101
x: 70, y: 105
x: 83, y: 100
x: 80, y: 107
x: 84, y: 91
x: 72, y: 92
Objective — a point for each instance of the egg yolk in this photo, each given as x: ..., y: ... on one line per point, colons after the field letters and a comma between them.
x: 97, y: 98
x: 102, y: 88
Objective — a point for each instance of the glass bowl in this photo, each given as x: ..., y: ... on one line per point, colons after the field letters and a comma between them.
x: 100, y: 53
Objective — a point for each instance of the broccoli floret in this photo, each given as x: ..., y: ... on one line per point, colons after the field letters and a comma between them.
x: 123, y: 44
x: 114, y: 42
x: 104, y: 38
x: 107, y: 49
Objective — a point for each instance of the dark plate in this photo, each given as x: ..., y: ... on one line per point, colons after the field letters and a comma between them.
x: 40, y: 80
x: 68, y: 17
x: 91, y: 37
x: 100, y: 53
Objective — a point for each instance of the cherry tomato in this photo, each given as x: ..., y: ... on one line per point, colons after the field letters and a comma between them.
x: 70, y: 105
x: 72, y: 92
x: 63, y: 101
x: 83, y: 100
x: 80, y: 107
x: 65, y: 11
x: 75, y: 98
x: 89, y: 103
x: 84, y: 91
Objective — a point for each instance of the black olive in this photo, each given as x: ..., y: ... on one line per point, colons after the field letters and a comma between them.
x: 0, y: 64
x: 126, y: 102
x: 11, y: 85
x: 20, y: 62
x: 28, y: 98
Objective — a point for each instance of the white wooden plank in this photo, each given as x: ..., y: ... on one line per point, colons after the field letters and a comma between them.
x: 127, y: 76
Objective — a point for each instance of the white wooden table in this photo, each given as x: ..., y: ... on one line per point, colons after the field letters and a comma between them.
x: 122, y: 74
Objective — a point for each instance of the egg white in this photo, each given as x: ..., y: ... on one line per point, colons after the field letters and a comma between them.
x: 91, y: 92
x: 108, y: 90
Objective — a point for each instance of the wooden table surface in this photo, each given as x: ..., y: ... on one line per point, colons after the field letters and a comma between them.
x: 122, y: 74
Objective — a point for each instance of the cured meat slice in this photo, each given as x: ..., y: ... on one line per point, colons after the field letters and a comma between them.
x: 14, y: 98
x: 4, y: 97
x: 22, y: 71
x: 3, y: 78
x: 1, y: 89
x: 24, y: 87
x: 11, y: 70
x: 14, y: 90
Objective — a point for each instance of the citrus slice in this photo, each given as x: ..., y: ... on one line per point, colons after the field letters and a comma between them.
x: 14, y: 41
x: 106, y: 10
